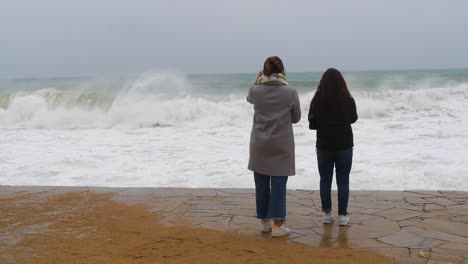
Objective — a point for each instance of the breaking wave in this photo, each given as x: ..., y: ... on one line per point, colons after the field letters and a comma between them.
x: 166, y: 99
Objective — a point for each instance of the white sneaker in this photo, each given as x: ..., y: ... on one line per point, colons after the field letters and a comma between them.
x: 343, y: 220
x: 283, y: 230
x: 266, y: 226
x: 328, y: 218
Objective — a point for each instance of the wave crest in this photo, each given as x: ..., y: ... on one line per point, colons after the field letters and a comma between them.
x: 166, y: 99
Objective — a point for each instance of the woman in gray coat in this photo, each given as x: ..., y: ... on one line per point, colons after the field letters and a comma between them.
x: 272, y: 155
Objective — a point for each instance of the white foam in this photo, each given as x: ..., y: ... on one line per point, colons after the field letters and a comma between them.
x: 398, y: 153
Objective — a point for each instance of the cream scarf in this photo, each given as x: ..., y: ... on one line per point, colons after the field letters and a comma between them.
x: 275, y: 77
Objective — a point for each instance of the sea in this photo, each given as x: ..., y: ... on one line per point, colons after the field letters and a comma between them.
x: 170, y: 129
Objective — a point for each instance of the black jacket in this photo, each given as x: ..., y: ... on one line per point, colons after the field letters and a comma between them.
x: 332, y: 118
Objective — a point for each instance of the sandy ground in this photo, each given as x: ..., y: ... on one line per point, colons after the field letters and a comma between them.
x: 92, y: 228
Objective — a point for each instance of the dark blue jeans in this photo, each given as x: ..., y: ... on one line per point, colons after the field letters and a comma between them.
x: 270, y: 193
x: 342, y: 160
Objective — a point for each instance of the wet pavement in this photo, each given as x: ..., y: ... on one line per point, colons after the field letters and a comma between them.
x: 410, y: 226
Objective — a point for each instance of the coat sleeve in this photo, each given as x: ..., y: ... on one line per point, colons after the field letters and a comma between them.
x: 353, y: 113
x: 296, y: 109
x: 311, y: 117
x: 250, y: 96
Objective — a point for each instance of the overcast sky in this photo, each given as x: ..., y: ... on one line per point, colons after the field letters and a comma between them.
x: 41, y: 38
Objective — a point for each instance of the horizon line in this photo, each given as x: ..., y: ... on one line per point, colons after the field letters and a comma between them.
x: 220, y: 73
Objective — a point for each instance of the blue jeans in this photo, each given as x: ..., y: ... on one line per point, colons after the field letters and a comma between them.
x: 342, y: 160
x: 271, y: 202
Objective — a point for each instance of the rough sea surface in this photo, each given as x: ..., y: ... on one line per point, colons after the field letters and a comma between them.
x: 170, y: 129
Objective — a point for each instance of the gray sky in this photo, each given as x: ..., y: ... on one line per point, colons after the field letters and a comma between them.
x: 94, y: 37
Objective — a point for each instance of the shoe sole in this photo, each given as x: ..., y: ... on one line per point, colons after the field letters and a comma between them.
x: 343, y: 224
x: 281, y: 235
x: 327, y: 222
x: 265, y: 231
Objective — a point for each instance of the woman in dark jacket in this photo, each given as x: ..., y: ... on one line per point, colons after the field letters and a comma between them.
x: 332, y: 111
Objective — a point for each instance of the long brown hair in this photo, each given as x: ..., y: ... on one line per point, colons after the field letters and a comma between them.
x: 273, y: 65
x: 332, y: 84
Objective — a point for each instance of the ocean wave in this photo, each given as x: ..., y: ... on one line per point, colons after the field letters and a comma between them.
x: 165, y: 99
x: 389, y: 102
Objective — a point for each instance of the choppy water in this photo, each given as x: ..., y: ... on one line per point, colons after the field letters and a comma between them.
x: 170, y: 129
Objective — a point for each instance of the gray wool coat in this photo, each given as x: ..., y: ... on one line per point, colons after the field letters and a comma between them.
x: 272, y: 150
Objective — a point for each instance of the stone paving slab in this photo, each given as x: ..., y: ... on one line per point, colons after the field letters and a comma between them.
x: 399, y: 224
